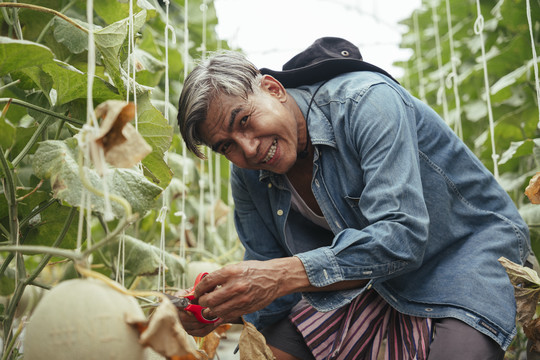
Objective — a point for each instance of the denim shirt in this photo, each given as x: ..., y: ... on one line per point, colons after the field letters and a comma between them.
x: 410, y: 207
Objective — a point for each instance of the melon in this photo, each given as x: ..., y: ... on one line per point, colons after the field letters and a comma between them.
x: 194, y: 268
x: 83, y: 319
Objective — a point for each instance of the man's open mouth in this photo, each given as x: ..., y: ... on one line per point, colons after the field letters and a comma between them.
x: 271, y: 152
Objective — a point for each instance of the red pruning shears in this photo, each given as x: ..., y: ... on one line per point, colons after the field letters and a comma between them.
x: 184, y: 303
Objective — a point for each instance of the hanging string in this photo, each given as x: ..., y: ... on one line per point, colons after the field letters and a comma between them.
x: 161, y: 270
x: 535, y: 59
x: 419, y: 65
x: 183, y: 220
x: 200, y: 224
x: 479, y: 30
x: 130, y: 50
x: 452, y: 79
x: 90, y: 115
x: 162, y: 217
x: 441, y: 94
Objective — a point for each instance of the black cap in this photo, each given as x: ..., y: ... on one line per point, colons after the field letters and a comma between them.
x: 326, y: 58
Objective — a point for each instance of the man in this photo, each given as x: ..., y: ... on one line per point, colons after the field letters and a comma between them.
x: 362, y: 215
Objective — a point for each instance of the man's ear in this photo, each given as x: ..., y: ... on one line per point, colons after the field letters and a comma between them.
x: 274, y: 87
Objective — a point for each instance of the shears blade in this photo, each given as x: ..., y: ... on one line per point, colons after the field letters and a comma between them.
x: 179, y: 302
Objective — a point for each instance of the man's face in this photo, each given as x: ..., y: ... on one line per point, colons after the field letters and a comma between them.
x: 258, y: 133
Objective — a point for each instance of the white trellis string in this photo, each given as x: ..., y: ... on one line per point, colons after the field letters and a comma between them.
x: 534, y: 59
x: 183, y: 220
x: 82, y: 209
x: 121, y: 260
x: 130, y: 50
x: 200, y: 233
x: 453, y: 76
x: 133, y: 71
x: 441, y: 94
x: 165, y: 200
x: 479, y: 30
x: 421, y: 90
x: 90, y: 115
x: 161, y: 270
x: 182, y: 249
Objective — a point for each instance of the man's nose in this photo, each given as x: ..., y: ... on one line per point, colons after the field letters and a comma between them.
x: 249, y: 146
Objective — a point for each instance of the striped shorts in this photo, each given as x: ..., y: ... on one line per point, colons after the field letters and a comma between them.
x: 356, y: 331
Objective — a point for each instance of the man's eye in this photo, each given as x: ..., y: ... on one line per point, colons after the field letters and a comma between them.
x: 244, y: 120
x: 224, y: 148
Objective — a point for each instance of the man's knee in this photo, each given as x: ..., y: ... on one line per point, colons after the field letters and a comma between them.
x: 453, y: 339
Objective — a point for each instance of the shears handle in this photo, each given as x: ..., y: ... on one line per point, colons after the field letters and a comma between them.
x: 196, y: 309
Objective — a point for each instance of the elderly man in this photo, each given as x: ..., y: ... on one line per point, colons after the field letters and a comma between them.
x: 362, y: 215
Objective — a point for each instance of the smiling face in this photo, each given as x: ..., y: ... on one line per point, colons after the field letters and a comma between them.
x: 262, y: 132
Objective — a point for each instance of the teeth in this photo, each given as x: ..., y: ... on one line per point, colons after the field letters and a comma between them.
x: 271, y: 152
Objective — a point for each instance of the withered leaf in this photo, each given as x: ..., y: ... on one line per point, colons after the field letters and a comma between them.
x: 211, y: 341
x: 526, y: 284
x: 252, y: 344
x: 532, y: 331
x: 123, y: 146
x: 164, y: 333
x: 533, y: 189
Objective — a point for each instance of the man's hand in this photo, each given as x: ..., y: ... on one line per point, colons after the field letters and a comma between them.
x: 246, y: 287
x: 192, y: 325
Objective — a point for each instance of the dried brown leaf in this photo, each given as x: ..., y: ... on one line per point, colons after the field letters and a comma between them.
x: 253, y: 344
x: 115, y: 114
x: 533, y: 189
x: 532, y: 331
x: 211, y: 341
x: 123, y: 146
x: 164, y: 333
x: 526, y: 284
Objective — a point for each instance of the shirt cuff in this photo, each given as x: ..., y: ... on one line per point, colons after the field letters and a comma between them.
x: 321, y: 267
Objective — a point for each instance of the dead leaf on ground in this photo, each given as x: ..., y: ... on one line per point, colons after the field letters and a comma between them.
x: 211, y: 341
x: 164, y: 333
x: 252, y: 344
x: 532, y: 331
x: 533, y: 189
x: 526, y: 288
x: 123, y: 146
x: 526, y: 284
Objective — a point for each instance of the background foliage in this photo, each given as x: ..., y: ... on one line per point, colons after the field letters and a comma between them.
x: 43, y: 91
x: 513, y: 96
x: 446, y: 70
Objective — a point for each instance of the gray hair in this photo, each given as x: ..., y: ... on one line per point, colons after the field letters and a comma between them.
x: 224, y: 73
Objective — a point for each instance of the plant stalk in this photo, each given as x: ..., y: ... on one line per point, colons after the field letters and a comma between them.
x: 45, y: 10
x: 42, y: 110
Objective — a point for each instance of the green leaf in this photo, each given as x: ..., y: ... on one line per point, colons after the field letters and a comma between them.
x: 142, y: 259
x: 7, y: 282
x: 112, y: 11
x: 20, y: 54
x: 71, y: 84
x: 518, y: 149
x: 45, y: 227
x: 58, y: 160
x: 109, y: 41
x: 72, y: 37
x: 158, y: 134
x: 7, y: 134
x: 511, y: 78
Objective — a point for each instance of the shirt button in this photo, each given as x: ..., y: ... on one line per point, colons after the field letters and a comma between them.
x: 280, y: 212
x: 269, y: 185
